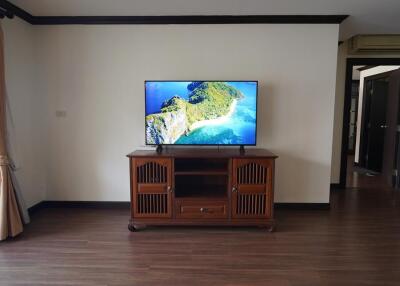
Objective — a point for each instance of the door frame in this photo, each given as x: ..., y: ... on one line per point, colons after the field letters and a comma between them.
x: 350, y: 62
x: 351, y: 152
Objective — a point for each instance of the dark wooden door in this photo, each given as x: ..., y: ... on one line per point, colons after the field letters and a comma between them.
x: 152, y: 190
x: 375, y: 123
x: 252, y: 188
x: 391, y: 134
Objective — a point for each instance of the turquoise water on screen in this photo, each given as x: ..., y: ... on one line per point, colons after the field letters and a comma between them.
x: 239, y: 129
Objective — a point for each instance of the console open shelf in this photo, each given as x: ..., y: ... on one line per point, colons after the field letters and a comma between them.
x: 192, y: 186
x: 201, y: 192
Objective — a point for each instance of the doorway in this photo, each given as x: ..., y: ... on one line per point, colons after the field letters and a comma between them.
x: 369, y: 141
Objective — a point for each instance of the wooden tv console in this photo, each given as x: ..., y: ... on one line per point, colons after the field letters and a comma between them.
x: 202, y: 187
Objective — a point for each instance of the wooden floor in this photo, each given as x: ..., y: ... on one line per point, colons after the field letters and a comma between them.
x: 357, y: 242
x: 357, y: 179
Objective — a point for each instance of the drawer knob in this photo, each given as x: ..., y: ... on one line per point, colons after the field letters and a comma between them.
x: 204, y: 210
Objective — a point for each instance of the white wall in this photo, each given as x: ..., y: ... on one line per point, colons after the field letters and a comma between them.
x: 96, y: 73
x: 26, y: 113
x: 363, y: 75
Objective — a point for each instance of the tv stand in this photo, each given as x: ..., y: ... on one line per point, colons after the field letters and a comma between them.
x: 241, y: 149
x: 202, y: 187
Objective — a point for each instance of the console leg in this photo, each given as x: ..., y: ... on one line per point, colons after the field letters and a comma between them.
x: 132, y: 227
x: 271, y: 228
x: 136, y: 227
x: 268, y: 227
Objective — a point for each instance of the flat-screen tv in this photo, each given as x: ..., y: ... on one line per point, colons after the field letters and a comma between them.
x: 201, y: 112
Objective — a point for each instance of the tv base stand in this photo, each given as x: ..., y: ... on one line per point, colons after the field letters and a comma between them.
x: 202, y: 187
x: 159, y: 149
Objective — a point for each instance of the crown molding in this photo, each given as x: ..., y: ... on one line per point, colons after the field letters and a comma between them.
x: 8, y: 6
x: 168, y: 20
x: 190, y: 19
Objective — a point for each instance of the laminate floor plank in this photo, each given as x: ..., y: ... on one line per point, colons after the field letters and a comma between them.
x: 356, y: 242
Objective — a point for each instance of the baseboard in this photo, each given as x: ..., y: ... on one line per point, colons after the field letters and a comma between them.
x: 302, y: 206
x: 126, y: 205
x: 337, y: 186
x: 79, y: 204
x: 36, y: 207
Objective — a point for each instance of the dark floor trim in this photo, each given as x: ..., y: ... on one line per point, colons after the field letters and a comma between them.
x: 78, y: 204
x: 337, y: 186
x: 302, y: 206
x: 36, y: 208
x: 165, y: 20
x: 126, y: 205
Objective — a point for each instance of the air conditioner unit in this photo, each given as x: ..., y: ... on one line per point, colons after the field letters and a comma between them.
x: 374, y: 43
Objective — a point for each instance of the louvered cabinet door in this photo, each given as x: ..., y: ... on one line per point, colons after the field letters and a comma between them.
x: 151, y: 187
x: 252, y: 188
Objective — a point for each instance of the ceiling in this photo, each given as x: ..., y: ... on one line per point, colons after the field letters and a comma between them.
x: 366, y: 16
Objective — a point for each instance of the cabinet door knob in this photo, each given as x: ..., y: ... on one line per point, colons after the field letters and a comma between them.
x: 169, y: 189
x: 204, y: 210
x: 234, y: 189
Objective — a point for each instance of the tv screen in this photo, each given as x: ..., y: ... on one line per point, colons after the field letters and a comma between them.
x: 201, y: 112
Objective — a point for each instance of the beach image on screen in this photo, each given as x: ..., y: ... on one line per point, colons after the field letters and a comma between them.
x: 201, y: 112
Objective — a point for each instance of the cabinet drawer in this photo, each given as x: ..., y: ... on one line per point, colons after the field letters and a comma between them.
x: 201, y: 209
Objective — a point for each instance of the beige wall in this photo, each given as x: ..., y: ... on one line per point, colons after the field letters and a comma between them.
x: 95, y: 75
x: 26, y: 112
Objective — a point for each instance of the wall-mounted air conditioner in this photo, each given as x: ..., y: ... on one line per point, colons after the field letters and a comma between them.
x: 374, y: 44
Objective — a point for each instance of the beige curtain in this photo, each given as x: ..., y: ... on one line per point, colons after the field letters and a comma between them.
x: 10, y: 218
